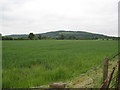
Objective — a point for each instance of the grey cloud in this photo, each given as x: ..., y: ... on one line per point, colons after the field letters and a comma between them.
x: 21, y: 17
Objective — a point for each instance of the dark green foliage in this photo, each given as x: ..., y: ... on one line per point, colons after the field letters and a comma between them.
x: 61, y: 37
x: 21, y: 38
x: 0, y: 36
x: 31, y: 36
x: 70, y: 35
x: 39, y: 37
x: 6, y: 38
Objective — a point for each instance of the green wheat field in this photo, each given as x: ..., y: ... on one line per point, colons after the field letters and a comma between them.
x: 32, y: 63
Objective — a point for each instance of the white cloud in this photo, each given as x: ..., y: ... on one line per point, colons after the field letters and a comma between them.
x: 24, y: 16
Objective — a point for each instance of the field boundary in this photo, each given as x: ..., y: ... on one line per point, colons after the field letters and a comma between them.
x: 107, y: 69
x: 113, y: 76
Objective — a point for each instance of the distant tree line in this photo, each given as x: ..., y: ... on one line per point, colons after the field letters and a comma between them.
x: 31, y: 36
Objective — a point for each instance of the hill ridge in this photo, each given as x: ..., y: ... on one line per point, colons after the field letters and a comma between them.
x: 55, y: 34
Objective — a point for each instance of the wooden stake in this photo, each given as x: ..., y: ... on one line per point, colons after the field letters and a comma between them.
x: 105, y: 69
x: 118, y: 78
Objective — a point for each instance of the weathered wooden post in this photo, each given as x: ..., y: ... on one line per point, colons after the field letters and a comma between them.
x: 105, y: 69
x: 111, y: 75
x: 118, y: 77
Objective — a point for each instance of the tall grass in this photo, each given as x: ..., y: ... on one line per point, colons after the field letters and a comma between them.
x: 34, y: 63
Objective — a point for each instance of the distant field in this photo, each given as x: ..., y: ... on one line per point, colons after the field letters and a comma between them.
x: 40, y: 62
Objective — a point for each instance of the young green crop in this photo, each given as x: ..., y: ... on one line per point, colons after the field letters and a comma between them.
x: 30, y: 63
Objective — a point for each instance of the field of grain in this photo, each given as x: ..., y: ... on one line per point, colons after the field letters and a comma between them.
x: 30, y: 63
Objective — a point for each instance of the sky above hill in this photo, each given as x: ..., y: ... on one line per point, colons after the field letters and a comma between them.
x: 39, y: 16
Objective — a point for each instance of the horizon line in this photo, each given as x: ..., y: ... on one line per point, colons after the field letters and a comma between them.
x: 59, y: 30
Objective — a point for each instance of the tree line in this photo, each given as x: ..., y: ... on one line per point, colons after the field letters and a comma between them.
x: 31, y: 36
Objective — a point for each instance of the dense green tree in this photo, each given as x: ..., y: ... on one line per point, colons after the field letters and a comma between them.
x: 71, y: 37
x: 31, y: 36
x: 62, y: 37
x: 6, y: 38
x: 40, y: 37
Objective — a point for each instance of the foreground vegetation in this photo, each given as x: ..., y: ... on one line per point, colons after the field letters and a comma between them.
x: 33, y: 63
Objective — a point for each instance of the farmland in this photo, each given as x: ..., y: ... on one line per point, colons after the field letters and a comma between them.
x: 30, y: 63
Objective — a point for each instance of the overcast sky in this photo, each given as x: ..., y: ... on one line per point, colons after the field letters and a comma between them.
x: 39, y: 16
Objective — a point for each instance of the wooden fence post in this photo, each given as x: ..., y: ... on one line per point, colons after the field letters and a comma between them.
x: 118, y: 77
x: 111, y: 75
x: 105, y: 69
